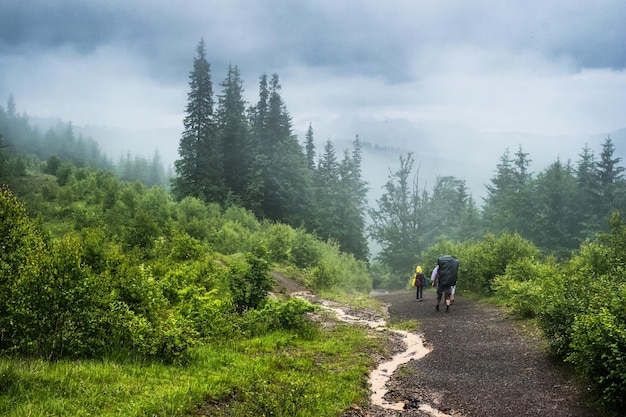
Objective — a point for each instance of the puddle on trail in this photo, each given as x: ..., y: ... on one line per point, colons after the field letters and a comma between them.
x: 414, y: 350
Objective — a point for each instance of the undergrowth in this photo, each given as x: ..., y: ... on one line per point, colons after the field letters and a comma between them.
x: 278, y: 374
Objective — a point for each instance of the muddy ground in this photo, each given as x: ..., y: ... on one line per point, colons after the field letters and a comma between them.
x: 482, y: 364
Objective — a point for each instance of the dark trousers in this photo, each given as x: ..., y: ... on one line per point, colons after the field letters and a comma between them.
x: 420, y: 292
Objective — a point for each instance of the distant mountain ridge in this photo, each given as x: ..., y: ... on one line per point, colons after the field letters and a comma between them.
x: 441, y: 149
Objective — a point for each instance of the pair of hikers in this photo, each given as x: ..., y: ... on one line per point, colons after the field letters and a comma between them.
x: 443, y: 277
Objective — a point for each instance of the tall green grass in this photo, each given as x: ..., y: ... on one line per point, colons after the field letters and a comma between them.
x: 280, y: 374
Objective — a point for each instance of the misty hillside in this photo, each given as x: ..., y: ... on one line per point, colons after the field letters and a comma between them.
x: 442, y: 149
x: 439, y: 149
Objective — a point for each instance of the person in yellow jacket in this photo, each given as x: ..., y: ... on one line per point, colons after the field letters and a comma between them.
x: 419, y: 282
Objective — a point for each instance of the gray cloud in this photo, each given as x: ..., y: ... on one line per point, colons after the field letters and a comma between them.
x: 368, y: 37
x: 349, y: 67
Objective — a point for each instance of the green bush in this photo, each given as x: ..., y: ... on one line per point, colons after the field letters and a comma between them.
x: 279, y: 315
x: 185, y: 248
x: 598, y: 346
x: 572, y: 289
x: 250, y: 283
x: 175, y: 277
x: 522, y: 286
x: 23, y: 249
x: 141, y: 233
x: 211, y: 316
x: 192, y: 217
x: 481, y: 262
x: 305, y: 250
x: 278, y: 239
x: 323, y: 276
x: 231, y: 238
x: 64, y: 173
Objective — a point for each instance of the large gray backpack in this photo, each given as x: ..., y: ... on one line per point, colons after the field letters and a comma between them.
x: 448, y: 270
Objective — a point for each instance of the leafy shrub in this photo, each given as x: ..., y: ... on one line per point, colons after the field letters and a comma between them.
x: 598, y: 346
x: 231, y: 238
x: 96, y: 244
x: 192, y: 216
x: 64, y: 173
x: 305, y: 250
x: 250, y: 283
x: 277, y: 238
x: 175, y: 277
x: 22, y: 249
x: 570, y: 291
x: 211, y: 316
x: 481, y: 262
x: 168, y: 339
x: 158, y: 204
x: 141, y: 233
x: 279, y: 315
x: 522, y: 287
x: 352, y: 274
x: 243, y: 217
x: 323, y: 276
x: 185, y: 247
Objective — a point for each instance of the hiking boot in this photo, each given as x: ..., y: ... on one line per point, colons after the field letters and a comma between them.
x: 437, y: 307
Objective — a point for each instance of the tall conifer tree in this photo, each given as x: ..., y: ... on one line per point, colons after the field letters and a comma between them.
x: 610, y: 181
x: 555, y: 223
x: 310, y: 148
x: 327, y: 194
x: 279, y: 184
x: 497, y: 211
x: 233, y: 130
x: 199, y: 170
x: 353, y: 203
x: 588, y: 194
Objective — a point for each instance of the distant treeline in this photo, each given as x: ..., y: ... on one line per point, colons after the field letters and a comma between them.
x: 22, y: 141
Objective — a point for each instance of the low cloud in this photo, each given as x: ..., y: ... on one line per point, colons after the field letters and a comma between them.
x: 407, y: 73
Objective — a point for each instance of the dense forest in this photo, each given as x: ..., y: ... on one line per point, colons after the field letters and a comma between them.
x: 104, y: 259
x: 234, y: 154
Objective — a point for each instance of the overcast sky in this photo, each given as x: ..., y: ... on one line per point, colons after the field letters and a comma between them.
x: 539, y: 66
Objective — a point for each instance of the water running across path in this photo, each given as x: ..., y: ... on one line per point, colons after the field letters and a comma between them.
x: 378, y: 379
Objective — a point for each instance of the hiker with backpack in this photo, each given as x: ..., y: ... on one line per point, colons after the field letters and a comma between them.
x: 444, y: 277
x: 419, y: 282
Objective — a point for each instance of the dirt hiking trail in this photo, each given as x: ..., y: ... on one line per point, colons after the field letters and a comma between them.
x: 482, y: 363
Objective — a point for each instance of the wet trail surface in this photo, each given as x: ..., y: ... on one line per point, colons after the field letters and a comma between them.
x: 481, y: 364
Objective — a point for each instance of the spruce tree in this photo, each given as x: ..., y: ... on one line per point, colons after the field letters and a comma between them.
x: 199, y: 168
x: 310, y: 148
x: 233, y: 129
x: 279, y: 183
x: 352, y: 204
x: 444, y: 209
x: 327, y: 194
x: 497, y: 210
x: 610, y: 182
x: 555, y: 225
x: 588, y: 199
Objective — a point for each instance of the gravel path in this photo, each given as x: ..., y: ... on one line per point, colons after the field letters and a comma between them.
x: 481, y: 364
